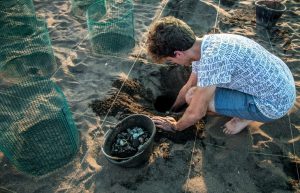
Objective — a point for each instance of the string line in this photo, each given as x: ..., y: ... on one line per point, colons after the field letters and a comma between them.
x: 95, y: 135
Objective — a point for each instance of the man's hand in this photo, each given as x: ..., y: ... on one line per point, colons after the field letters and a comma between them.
x: 165, y: 123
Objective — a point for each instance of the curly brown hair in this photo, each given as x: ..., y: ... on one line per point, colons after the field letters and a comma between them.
x: 167, y: 35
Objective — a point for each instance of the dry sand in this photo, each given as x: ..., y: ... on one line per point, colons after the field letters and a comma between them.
x: 262, y: 158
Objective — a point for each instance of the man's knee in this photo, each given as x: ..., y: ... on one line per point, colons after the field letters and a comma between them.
x: 189, y: 96
x: 211, y: 105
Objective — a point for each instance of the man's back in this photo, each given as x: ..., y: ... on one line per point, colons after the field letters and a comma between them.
x: 238, y: 63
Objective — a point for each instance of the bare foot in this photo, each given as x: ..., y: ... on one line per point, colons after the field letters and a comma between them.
x: 235, y: 125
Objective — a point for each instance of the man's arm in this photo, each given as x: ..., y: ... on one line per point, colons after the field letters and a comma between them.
x: 197, y: 108
x: 180, y: 100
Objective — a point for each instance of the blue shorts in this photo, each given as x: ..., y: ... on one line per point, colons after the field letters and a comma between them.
x: 234, y: 103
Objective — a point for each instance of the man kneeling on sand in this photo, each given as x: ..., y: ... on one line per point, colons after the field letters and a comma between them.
x: 231, y: 75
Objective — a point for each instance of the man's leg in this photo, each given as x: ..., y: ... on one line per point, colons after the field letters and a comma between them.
x: 189, y: 95
x: 238, y: 105
x: 232, y: 103
x: 234, y: 126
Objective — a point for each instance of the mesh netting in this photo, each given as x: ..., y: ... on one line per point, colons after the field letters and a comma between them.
x: 25, y: 47
x: 26, y: 54
x: 17, y: 7
x: 38, y: 133
x: 79, y: 7
x: 111, y: 27
x: 16, y: 17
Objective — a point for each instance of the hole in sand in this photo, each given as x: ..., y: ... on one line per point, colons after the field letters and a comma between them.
x: 134, y: 98
x: 163, y: 103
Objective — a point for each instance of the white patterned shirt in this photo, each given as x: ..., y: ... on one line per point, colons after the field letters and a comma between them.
x: 238, y: 63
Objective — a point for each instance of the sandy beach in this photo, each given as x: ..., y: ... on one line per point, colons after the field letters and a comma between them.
x: 103, y: 89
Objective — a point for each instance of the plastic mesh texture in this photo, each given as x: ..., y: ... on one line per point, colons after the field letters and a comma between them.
x: 38, y: 134
x: 111, y: 26
x: 37, y: 131
x: 25, y: 47
x: 16, y: 17
x: 27, y: 53
x: 79, y: 7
